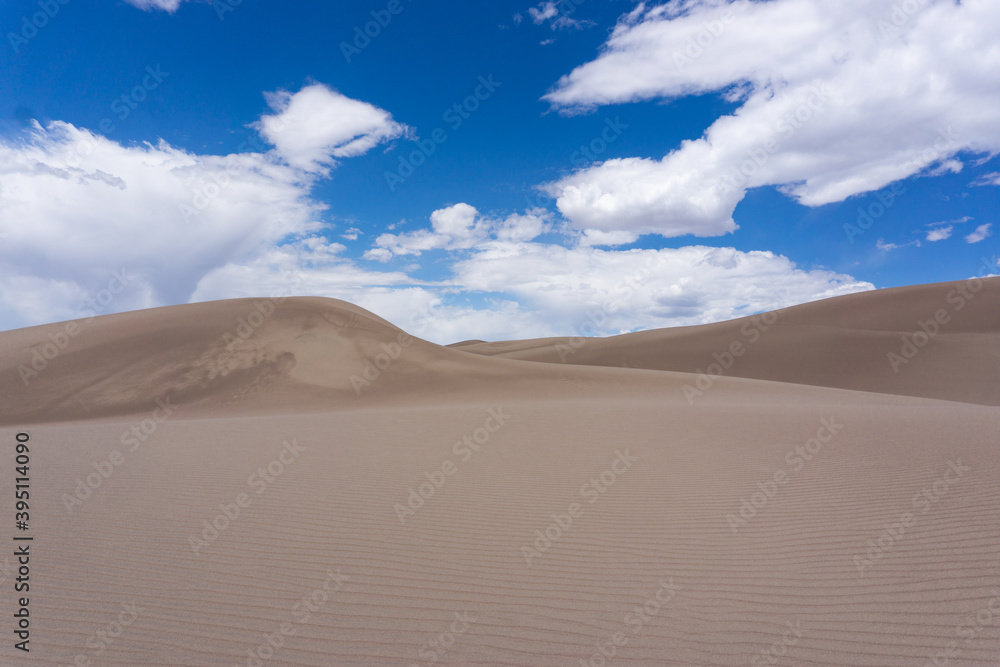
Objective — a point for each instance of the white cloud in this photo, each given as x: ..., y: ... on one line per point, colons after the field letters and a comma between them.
x: 77, y: 206
x: 835, y: 99
x: 644, y: 288
x: 558, y: 20
x: 882, y: 245
x: 165, y: 5
x: 988, y: 179
x: 592, y: 237
x: 982, y: 232
x: 310, y: 266
x: 459, y: 227
x: 523, y: 289
x: 313, y: 127
x: 640, y: 196
x: 543, y: 12
x: 455, y: 221
x: 351, y: 234
x: 951, y: 166
x: 940, y: 233
x: 523, y: 227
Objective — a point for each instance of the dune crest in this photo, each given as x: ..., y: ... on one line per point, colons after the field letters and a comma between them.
x: 203, y: 474
x: 842, y: 342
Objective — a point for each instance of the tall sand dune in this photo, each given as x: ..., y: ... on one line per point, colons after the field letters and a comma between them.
x: 310, y: 485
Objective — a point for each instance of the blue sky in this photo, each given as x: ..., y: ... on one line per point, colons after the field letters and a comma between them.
x: 209, y: 150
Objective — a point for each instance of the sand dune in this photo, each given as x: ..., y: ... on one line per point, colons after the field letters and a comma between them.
x: 840, y: 342
x: 312, y: 486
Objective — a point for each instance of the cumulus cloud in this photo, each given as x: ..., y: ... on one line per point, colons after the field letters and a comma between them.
x: 504, y: 289
x: 308, y: 266
x: 645, y: 288
x: 459, y: 227
x: 310, y: 129
x: 836, y: 99
x: 982, y: 232
x: 78, y: 210
x: 940, y: 233
x: 76, y: 207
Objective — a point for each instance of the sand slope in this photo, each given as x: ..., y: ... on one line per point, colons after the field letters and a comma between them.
x: 458, y: 508
x: 840, y: 342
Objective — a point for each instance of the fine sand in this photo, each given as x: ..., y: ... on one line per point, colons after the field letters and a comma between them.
x: 252, y: 482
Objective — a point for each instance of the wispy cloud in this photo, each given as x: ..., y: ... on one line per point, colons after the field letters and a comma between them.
x: 165, y: 5
x: 557, y: 17
x: 943, y: 229
x: 884, y: 246
x: 988, y: 179
x: 982, y: 232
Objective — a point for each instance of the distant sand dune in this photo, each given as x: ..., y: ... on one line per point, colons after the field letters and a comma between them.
x: 470, y: 505
x: 840, y: 342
